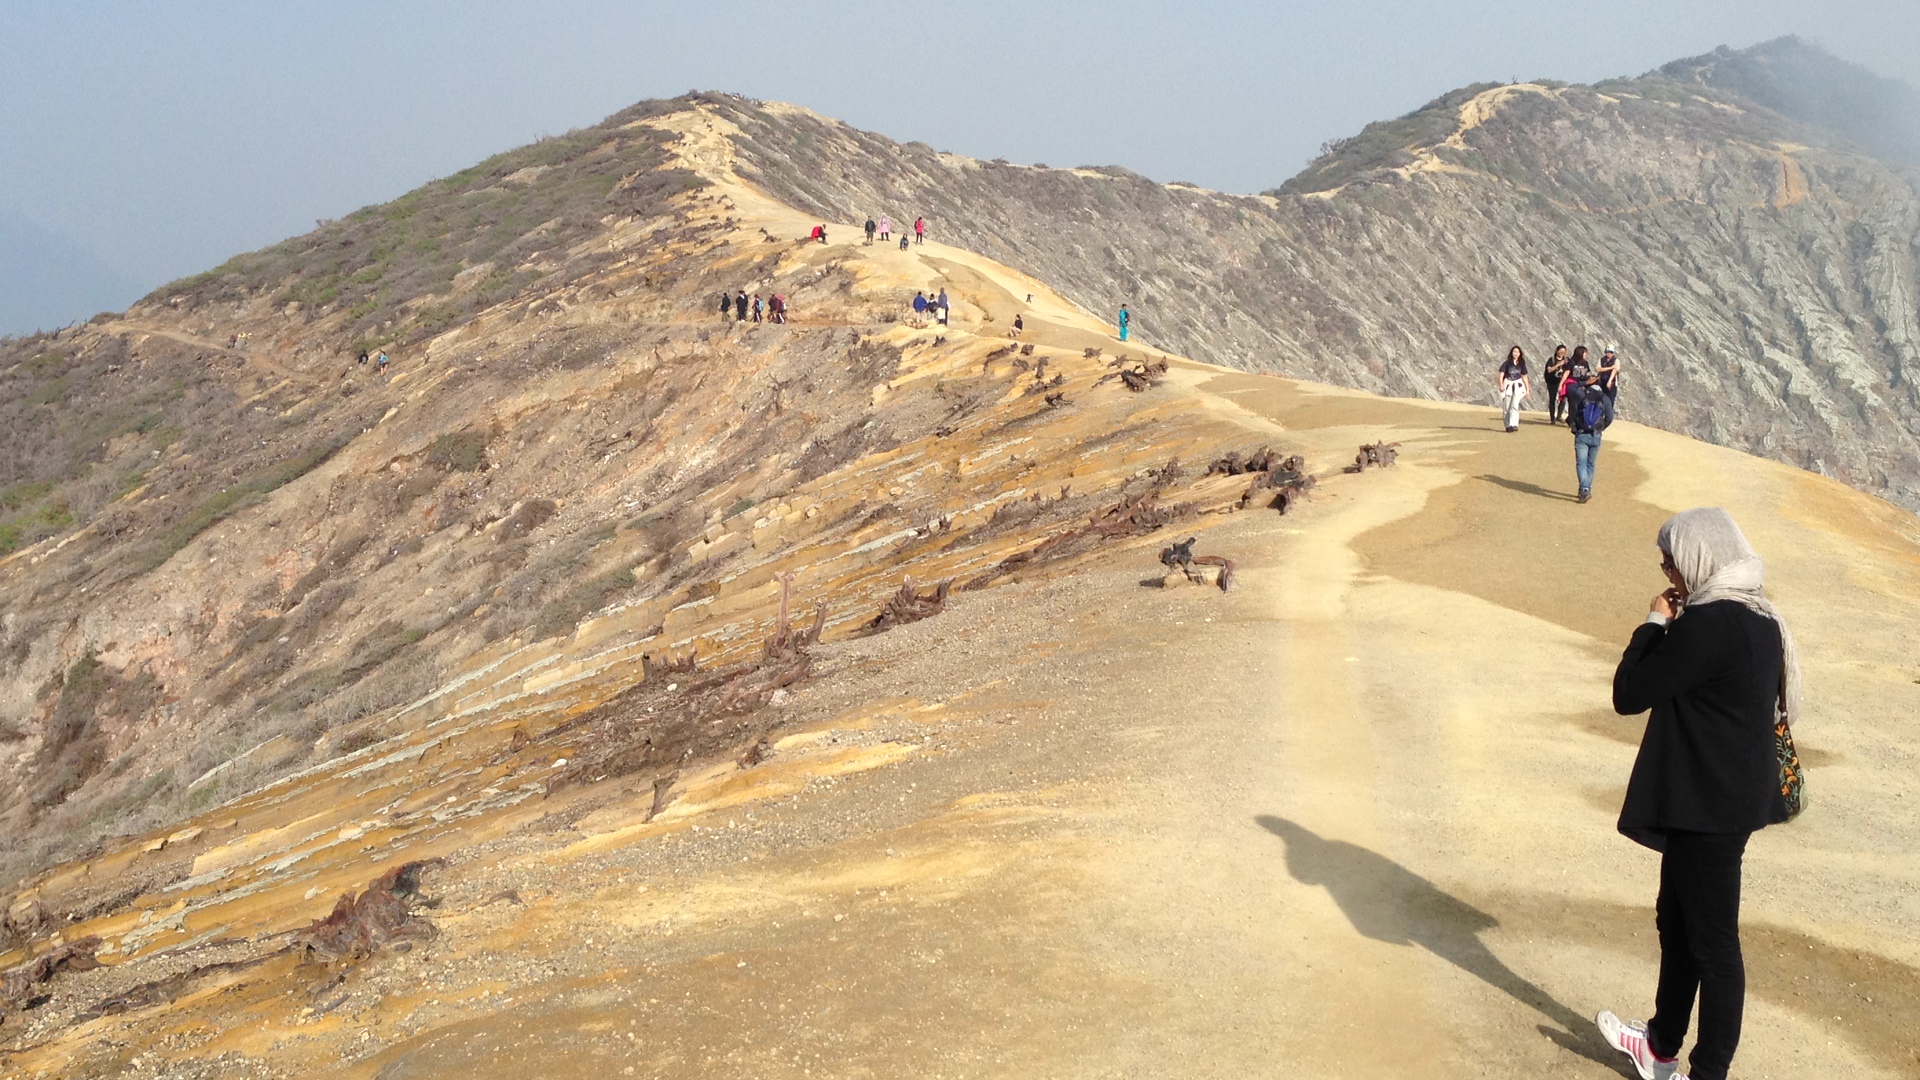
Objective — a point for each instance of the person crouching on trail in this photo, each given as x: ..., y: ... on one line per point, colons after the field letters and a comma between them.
x: 1717, y: 666
x: 1511, y: 383
x: 1588, y: 414
x: 1556, y: 374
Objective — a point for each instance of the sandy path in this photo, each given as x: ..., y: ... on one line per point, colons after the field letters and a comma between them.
x: 1353, y: 819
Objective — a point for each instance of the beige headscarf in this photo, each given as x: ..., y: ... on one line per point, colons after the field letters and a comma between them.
x: 1717, y: 563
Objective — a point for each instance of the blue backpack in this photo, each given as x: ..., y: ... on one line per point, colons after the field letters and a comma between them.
x: 1593, y: 413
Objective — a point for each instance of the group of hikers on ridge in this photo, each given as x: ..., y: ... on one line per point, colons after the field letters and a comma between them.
x: 1583, y: 393
x: 883, y: 230
x: 737, y: 307
x: 936, y: 307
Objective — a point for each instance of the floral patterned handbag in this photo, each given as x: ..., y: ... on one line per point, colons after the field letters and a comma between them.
x: 1793, y: 778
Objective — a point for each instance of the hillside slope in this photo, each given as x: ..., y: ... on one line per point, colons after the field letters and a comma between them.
x: 1757, y: 271
x: 472, y: 718
x: 247, y: 560
x: 1073, y: 826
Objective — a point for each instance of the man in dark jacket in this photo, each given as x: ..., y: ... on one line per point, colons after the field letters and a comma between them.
x: 1589, y: 411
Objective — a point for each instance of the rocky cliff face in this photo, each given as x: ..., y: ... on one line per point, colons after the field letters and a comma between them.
x: 1757, y: 271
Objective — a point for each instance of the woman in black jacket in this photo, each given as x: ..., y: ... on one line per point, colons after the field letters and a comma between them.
x: 1716, y: 666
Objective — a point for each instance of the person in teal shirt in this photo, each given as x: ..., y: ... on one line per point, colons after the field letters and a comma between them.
x: 1124, y: 319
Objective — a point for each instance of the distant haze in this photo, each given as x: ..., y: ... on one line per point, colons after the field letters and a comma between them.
x: 145, y: 142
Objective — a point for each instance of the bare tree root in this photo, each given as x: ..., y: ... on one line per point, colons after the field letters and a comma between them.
x: 1375, y: 455
x: 76, y: 955
x: 1133, y: 515
x: 909, y: 605
x: 382, y: 914
x: 1181, y: 559
x: 1281, y: 487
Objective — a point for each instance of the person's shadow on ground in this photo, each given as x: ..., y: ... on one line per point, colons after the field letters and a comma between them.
x: 1387, y: 902
x: 1525, y: 488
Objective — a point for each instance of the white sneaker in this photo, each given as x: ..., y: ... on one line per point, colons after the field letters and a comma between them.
x: 1630, y: 1038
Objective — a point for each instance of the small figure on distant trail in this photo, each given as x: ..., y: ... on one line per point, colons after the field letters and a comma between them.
x: 758, y: 307
x: 1126, y: 318
x: 1511, y: 385
x: 380, y: 361
x: 1019, y: 325
x: 886, y: 227
x: 1589, y: 411
x: 941, y: 303
x: 919, y: 230
x: 363, y: 358
x: 903, y: 241
x: 1609, y: 372
x: 820, y: 233
x: 870, y: 230
x: 233, y: 340
x: 740, y: 307
x: 919, y: 305
x: 1556, y: 383
x: 726, y: 306
x: 779, y: 307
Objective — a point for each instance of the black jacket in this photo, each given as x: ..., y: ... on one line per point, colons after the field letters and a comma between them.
x: 1577, y: 399
x: 1707, y: 761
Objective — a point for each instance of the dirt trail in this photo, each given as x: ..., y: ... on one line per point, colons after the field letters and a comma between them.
x: 1351, y: 819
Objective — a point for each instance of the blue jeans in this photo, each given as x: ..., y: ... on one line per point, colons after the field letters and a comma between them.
x: 1586, y: 451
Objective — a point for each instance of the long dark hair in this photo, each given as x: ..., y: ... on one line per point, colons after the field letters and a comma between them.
x: 1515, y: 349
x: 1579, y: 355
x: 1557, y: 350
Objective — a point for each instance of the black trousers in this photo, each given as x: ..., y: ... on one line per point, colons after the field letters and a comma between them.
x: 1556, y: 405
x: 1699, y: 919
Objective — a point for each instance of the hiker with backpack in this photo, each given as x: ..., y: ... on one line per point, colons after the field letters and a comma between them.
x: 940, y: 305
x: 1511, y: 385
x: 726, y: 305
x: 1716, y: 665
x: 1588, y: 414
x: 758, y: 307
x: 1556, y: 374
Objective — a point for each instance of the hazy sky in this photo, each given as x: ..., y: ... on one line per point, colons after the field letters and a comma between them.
x: 143, y: 141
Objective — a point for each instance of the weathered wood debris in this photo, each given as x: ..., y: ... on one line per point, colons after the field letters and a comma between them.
x: 1375, y: 456
x: 1180, y: 561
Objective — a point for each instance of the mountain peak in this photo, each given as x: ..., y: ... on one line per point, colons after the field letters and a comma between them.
x: 1800, y: 80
